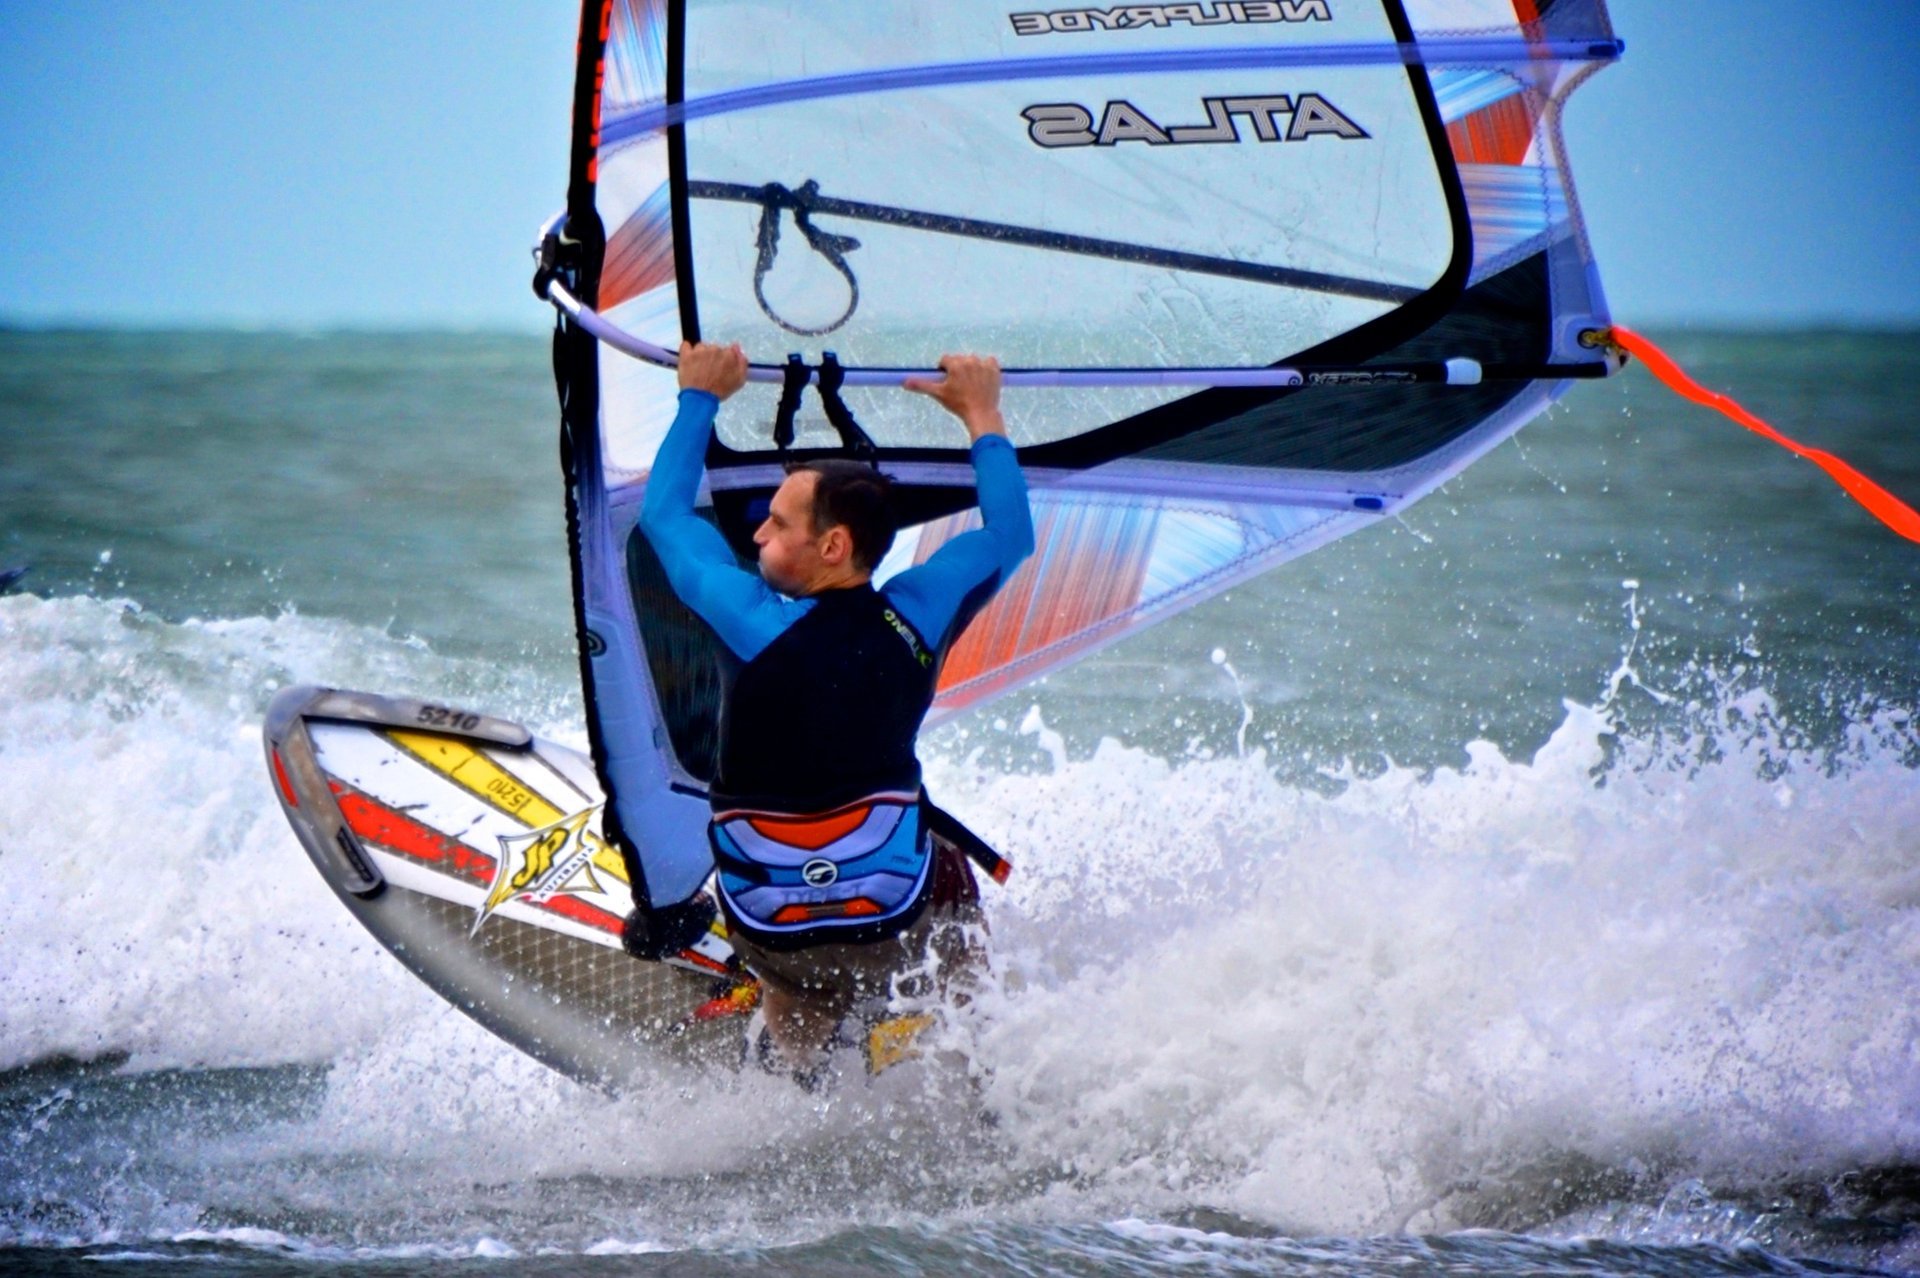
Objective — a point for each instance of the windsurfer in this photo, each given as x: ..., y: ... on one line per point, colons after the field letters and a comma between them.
x: 832, y: 886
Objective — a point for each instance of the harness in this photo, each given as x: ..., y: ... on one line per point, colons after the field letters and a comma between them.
x: 861, y: 871
x: 861, y: 866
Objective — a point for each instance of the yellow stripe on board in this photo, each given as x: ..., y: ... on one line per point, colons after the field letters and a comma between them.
x: 477, y: 774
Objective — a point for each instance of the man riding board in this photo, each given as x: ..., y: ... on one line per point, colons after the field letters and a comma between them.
x: 830, y: 883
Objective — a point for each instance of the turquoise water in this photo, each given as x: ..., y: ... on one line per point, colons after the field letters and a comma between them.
x: 1525, y: 885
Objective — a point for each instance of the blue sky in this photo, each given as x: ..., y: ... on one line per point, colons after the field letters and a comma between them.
x: 313, y: 164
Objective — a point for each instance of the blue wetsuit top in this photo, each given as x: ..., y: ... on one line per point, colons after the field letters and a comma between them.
x: 747, y: 614
x: 824, y: 698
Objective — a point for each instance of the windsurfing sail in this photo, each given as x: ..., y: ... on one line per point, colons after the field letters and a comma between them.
x: 1264, y: 271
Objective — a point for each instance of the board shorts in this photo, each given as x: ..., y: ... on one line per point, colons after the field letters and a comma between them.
x: 919, y: 962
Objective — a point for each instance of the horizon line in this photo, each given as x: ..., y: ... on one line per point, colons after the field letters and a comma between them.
x: 534, y: 328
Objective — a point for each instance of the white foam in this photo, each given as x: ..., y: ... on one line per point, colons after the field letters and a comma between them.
x: 152, y: 899
x: 264, y: 1239
x: 1337, y: 1011
x: 1216, y: 990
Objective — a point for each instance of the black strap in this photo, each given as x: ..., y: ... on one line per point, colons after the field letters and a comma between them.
x: 774, y: 197
x: 796, y: 376
x: 857, y: 442
x: 942, y: 824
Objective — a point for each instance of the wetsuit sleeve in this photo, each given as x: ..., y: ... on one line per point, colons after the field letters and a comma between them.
x: 941, y: 595
x: 743, y: 610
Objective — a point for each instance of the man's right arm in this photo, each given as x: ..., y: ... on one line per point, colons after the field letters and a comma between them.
x: 700, y: 565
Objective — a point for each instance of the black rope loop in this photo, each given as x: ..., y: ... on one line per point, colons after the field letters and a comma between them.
x: 772, y: 198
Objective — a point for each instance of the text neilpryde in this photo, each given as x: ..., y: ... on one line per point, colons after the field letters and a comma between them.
x: 1135, y: 17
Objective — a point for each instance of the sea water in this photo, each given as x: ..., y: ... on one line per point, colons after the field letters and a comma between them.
x: 1526, y: 885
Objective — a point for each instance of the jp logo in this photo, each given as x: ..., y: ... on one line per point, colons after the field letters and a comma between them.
x: 538, y: 865
x: 820, y: 873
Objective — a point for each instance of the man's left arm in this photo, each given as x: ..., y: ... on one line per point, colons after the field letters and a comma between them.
x: 941, y: 595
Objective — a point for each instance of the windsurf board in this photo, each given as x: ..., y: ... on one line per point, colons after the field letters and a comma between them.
x: 473, y: 851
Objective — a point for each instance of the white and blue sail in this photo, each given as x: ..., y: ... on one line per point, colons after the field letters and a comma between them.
x: 1265, y: 271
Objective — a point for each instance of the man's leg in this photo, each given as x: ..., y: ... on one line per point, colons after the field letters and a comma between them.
x: 801, y: 1023
x: 807, y: 993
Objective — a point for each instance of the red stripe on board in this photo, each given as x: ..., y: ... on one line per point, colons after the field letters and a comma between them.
x: 286, y: 786
x: 399, y: 833
x: 712, y: 965
x: 572, y: 907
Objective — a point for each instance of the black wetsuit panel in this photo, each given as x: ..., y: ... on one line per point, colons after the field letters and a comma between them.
x: 827, y: 713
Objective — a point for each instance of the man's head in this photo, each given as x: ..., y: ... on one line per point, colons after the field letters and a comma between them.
x: 829, y: 524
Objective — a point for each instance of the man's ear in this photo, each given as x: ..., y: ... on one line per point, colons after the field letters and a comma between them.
x: 836, y: 545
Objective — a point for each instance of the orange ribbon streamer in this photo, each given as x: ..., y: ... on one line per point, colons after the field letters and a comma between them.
x: 1883, y: 505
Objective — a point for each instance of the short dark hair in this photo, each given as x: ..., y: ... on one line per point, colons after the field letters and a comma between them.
x: 856, y: 495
